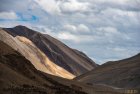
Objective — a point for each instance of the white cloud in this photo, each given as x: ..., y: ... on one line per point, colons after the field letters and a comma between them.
x: 81, y: 28
x: 112, y: 1
x: 75, y: 6
x: 69, y: 27
x: 64, y: 35
x: 8, y: 15
x: 67, y: 36
x: 118, y: 12
x: 129, y: 5
x: 50, y: 6
x: 44, y: 30
x: 110, y: 30
x: 118, y: 16
x: 57, y: 7
x: 118, y: 49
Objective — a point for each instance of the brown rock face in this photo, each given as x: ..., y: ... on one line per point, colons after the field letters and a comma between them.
x: 24, y: 68
x: 34, y: 55
x: 19, y: 76
x: 124, y: 73
x: 46, y: 53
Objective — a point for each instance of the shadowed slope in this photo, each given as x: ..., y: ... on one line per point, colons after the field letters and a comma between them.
x: 124, y: 73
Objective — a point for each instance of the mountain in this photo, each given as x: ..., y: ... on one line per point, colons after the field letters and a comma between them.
x: 19, y: 76
x: 124, y: 73
x: 34, y: 55
x: 46, y: 53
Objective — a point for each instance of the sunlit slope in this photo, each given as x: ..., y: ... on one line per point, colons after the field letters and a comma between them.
x: 60, y: 54
x: 33, y: 54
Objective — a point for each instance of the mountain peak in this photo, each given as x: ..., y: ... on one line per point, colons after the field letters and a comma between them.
x: 138, y: 54
x: 20, y: 26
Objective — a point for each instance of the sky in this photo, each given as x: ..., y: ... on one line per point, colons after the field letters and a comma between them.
x: 106, y: 30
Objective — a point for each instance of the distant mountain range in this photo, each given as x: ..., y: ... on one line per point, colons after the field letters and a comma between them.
x: 123, y: 74
x: 35, y: 63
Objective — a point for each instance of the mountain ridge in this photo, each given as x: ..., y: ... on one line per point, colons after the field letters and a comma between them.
x: 25, y: 78
x: 19, y: 76
x: 123, y: 73
x: 73, y: 61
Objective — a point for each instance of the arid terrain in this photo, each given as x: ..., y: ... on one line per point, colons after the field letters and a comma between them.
x: 46, y: 53
x: 123, y: 74
x: 35, y: 63
x: 19, y: 76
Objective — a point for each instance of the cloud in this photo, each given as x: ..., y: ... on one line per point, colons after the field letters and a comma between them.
x: 50, y: 6
x: 69, y: 27
x: 62, y: 7
x: 67, y: 36
x: 81, y: 28
x: 107, y: 31
x: 8, y: 15
x: 99, y: 27
x: 127, y: 5
x: 118, y: 15
x: 75, y: 6
x: 64, y: 35
x: 72, y: 36
x: 44, y: 30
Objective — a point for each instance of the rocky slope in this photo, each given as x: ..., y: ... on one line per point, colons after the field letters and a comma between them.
x: 19, y: 76
x: 34, y: 55
x: 73, y: 61
x: 124, y: 73
x: 46, y: 53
